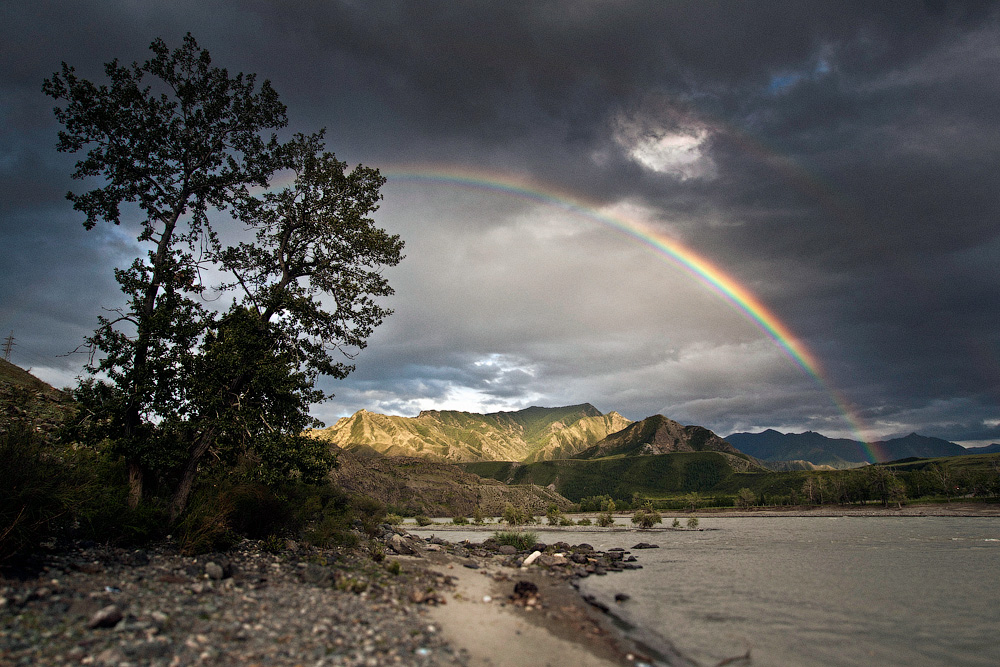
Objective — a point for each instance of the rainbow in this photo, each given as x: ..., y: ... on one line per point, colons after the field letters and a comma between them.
x: 701, y: 268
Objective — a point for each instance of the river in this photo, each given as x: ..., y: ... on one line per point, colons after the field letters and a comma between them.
x: 810, y: 590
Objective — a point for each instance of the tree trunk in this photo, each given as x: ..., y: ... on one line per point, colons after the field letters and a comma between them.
x: 134, y: 483
x: 136, y: 379
x: 183, y: 491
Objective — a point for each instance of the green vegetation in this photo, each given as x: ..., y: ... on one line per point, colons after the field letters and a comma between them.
x: 519, y: 539
x: 516, y: 516
x: 179, y: 391
x: 689, y: 481
x: 745, y: 498
x: 646, y: 517
x: 422, y: 520
x: 192, y: 420
x: 692, y: 522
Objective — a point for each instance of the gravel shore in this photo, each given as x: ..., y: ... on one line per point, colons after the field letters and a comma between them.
x: 86, y: 604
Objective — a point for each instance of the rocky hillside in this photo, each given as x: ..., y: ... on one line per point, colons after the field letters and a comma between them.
x: 25, y: 398
x: 532, y: 434
x: 657, y: 435
x: 418, y: 486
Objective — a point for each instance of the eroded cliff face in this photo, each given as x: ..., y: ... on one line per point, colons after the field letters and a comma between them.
x: 533, y: 434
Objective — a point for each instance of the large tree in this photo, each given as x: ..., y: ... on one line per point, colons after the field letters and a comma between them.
x: 308, y: 284
x: 181, y: 140
x: 176, y: 137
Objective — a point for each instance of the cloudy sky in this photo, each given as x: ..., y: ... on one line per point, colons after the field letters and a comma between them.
x: 836, y: 160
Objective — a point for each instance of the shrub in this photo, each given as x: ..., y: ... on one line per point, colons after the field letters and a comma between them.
x: 565, y: 521
x: 460, y: 521
x: 519, y: 539
x: 256, y: 511
x: 37, y: 491
x: 370, y: 512
x: 605, y: 519
x: 693, y: 522
x: 676, y: 523
x: 273, y: 544
x: 205, y: 527
x: 515, y: 516
x: 585, y: 521
x: 422, y: 520
x: 477, y: 516
x: 393, y: 519
x: 646, y: 517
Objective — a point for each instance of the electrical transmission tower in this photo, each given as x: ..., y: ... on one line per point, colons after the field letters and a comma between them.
x: 8, y: 345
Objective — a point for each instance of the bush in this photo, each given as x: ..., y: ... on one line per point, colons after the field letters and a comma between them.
x: 422, y: 520
x: 646, y: 518
x: 515, y: 516
x: 605, y: 519
x: 585, y: 521
x: 205, y: 528
x: 37, y: 489
x: 693, y: 522
x: 519, y: 539
x: 676, y: 523
x: 460, y: 521
x: 393, y: 519
x: 256, y: 511
x: 565, y: 521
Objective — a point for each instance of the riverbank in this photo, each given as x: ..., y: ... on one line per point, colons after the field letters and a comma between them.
x: 410, y: 599
x: 418, y: 602
x: 916, y: 509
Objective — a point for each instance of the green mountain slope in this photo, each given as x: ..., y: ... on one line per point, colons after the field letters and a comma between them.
x: 532, y: 434
x: 620, y: 477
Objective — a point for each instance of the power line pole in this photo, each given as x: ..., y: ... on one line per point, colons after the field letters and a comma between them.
x: 8, y: 345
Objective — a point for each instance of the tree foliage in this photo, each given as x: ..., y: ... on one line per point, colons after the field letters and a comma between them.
x: 181, y: 140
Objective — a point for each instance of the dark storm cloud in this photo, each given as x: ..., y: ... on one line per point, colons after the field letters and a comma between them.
x: 836, y: 158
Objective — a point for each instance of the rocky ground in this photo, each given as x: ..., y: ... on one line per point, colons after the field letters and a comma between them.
x: 88, y: 604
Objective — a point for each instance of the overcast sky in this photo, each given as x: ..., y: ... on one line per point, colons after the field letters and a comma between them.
x: 839, y: 160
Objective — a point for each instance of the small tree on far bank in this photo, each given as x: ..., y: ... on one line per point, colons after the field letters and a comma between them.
x: 693, y: 501
x: 745, y: 498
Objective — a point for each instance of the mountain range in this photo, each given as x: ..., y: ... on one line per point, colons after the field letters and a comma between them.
x: 815, y: 448
x: 532, y: 434
x: 538, y: 434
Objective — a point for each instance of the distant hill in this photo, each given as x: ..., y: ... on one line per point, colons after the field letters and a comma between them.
x: 988, y: 449
x: 657, y: 435
x: 23, y: 397
x: 771, y: 445
x: 532, y: 434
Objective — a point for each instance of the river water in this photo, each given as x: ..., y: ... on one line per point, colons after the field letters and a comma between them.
x: 809, y: 590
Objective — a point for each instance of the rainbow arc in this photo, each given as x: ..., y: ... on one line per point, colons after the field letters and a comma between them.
x: 738, y: 296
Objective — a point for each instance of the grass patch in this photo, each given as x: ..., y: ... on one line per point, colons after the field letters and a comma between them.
x: 519, y: 539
